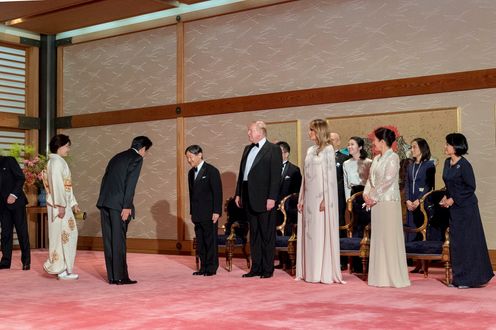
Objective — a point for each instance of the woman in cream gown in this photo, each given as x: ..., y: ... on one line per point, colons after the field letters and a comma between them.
x: 317, y: 254
x: 387, y: 265
x: 62, y: 229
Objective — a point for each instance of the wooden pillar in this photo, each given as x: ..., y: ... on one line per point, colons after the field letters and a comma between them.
x: 181, y: 182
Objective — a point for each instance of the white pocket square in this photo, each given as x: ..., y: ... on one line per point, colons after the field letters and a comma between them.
x: 287, y: 177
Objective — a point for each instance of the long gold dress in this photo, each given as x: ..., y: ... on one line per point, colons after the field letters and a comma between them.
x: 387, y: 266
x: 62, y: 233
x: 317, y: 254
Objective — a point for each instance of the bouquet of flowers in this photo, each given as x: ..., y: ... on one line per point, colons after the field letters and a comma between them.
x: 371, y: 136
x: 33, y: 170
x: 32, y: 165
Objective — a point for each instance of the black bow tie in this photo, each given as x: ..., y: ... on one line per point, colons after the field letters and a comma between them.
x: 254, y: 145
x: 196, y: 169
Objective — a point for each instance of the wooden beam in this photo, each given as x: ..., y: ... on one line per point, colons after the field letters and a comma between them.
x: 442, y: 83
x: 32, y: 81
x: 60, y: 81
x: 9, y: 38
x: 9, y: 120
x: 123, y: 116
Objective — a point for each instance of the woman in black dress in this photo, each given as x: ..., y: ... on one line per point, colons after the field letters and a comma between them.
x: 469, y: 256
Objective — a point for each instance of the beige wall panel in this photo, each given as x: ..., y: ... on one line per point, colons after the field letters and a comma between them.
x: 130, y: 71
x: 224, y: 136
x: 311, y: 43
x: 155, y: 197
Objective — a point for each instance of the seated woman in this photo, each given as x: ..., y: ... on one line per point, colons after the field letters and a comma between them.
x: 356, y: 169
x: 355, y: 174
x: 420, y: 176
x: 470, y: 261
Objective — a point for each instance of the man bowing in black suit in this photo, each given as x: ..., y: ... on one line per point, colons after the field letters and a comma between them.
x: 257, y: 190
x: 13, y: 212
x: 116, y: 206
x: 205, y: 200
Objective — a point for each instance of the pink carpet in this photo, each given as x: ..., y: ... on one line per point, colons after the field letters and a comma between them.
x: 168, y: 296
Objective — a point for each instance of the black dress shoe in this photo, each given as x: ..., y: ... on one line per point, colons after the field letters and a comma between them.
x: 250, y: 274
x: 199, y: 273
x: 112, y: 282
x: 208, y: 274
x: 26, y: 267
x: 266, y: 275
x: 125, y: 281
x: 3, y: 266
x: 280, y: 266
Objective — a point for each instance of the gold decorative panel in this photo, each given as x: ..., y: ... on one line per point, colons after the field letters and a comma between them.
x: 287, y: 131
x: 433, y: 125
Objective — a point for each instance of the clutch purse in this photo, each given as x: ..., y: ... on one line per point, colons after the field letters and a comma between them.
x: 80, y: 215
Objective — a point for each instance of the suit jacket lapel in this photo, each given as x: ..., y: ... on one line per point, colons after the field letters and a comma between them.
x: 191, y: 177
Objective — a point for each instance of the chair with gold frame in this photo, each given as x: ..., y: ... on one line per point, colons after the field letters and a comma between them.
x: 357, y: 240
x: 286, y: 237
x: 435, y: 235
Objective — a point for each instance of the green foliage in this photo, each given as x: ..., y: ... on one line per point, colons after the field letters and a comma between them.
x: 20, y: 152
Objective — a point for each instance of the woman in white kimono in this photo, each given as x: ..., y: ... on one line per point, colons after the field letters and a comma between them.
x: 62, y: 229
x: 387, y: 266
x: 317, y: 254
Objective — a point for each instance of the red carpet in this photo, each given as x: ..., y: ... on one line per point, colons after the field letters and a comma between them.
x: 168, y: 296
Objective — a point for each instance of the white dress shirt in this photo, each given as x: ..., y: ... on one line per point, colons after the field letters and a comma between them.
x: 251, y: 158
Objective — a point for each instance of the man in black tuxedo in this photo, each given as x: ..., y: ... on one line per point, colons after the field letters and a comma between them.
x: 116, y: 206
x: 257, y: 190
x: 290, y: 183
x: 13, y: 212
x: 205, y: 200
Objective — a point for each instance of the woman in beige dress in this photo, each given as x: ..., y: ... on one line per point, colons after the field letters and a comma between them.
x: 62, y: 229
x: 387, y: 266
x: 317, y: 254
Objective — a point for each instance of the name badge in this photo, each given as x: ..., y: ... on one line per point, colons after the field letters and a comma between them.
x: 421, y: 189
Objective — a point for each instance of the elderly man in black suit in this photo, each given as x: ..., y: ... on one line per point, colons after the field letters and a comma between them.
x: 13, y: 212
x: 116, y: 206
x: 205, y: 200
x: 257, y: 190
x: 290, y: 184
